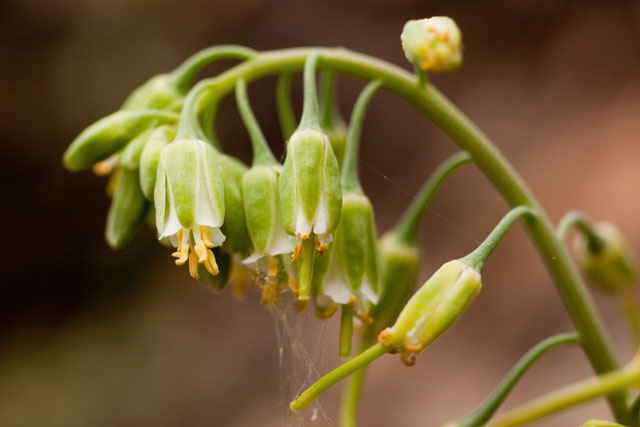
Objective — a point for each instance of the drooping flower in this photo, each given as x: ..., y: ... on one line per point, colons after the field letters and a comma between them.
x: 189, y: 202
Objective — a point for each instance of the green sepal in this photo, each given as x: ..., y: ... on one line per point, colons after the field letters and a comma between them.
x: 110, y: 134
x: 260, y: 192
x: 234, y: 227
x: 332, y: 188
x: 189, y: 170
x: 435, y: 306
x: 398, y: 268
x: 159, y: 92
x: 127, y: 211
x: 130, y: 156
x: 356, y: 241
x: 150, y: 157
x: 219, y: 282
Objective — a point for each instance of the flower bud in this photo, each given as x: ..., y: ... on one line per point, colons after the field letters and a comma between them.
x: 148, y: 163
x: 433, y: 308
x: 353, y: 269
x: 398, y: 266
x: 189, y: 202
x: 130, y: 156
x: 110, y: 134
x: 433, y: 44
x: 127, y: 211
x: 611, y: 265
x: 234, y: 227
x: 263, y: 212
x: 159, y: 92
x: 309, y: 184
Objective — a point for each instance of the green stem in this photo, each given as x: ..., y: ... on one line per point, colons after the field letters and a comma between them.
x: 328, y: 106
x: 429, y: 101
x: 262, y: 155
x: 346, y: 330
x: 572, y: 395
x: 351, y: 394
x: 407, y: 227
x: 337, y: 375
x: 629, y: 302
x: 306, y: 268
x: 479, y: 256
x: 185, y: 74
x: 310, y: 109
x: 485, y: 411
x: 285, y: 110
x: 579, y: 219
x: 350, y: 181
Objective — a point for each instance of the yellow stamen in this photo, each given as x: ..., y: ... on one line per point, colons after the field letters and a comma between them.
x: 412, y: 347
x: 304, y: 236
x: 352, y: 301
x: 210, y: 263
x: 270, y: 295
x: 297, y: 251
x: 179, y: 237
x: 106, y: 166
x: 201, y: 250
x: 408, y: 359
x: 293, y: 286
x: 321, y: 247
x: 365, y: 317
x: 182, y: 255
x: 193, y: 266
x: 385, y: 337
x: 205, y: 234
x: 238, y: 282
x: 272, y: 268
x: 327, y: 312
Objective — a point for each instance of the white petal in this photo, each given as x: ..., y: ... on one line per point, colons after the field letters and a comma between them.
x: 367, y: 291
x: 303, y: 227
x: 217, y: 238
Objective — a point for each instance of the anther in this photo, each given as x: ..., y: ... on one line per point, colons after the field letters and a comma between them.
x: 408, y: 359
x: 193, y: 266
x: 106, y: 166
x: 321, y: 247
x: 297, y: 251
x: 210, y: 263
x: 205, y: 234
x: 272, y: 268
x: 179, y: 237
x: 365, y: 317
x: 325, y: 313
x: 182, y: 255
x: 352, y: 301
x: 201, y: 250
x: 384, y: 338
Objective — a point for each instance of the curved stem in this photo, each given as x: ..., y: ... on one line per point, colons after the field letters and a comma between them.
x: 428, y: 100
x: 262, y: 155
x: 185, y: 74
x: 481, y: 415
x: 578, y: 219
x: 353, y: 389
x: 285, y: 110
x: 350, y: 181
x: 408, y: 225
x: 572, y: 395
x: 479, y: 256
x: 329, y: 113
x: 310, y: 109
x: 338, y: 374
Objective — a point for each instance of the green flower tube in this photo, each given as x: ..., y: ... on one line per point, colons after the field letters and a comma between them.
x: 110, y: 134
x: 189, y: 202
x: 433, y: 309
x: 127, y: 211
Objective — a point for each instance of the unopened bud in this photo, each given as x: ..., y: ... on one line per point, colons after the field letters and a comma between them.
x: 433, y: 308
x: 433, y: 44
x: 159, y: 92
x: 611, y: 264
x: 148, y: 164
x: 127, y: 211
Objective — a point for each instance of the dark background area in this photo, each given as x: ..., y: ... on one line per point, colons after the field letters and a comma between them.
x: 89, y: 336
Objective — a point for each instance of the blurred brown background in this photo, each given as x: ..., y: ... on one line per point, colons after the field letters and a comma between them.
x: 89, y: 336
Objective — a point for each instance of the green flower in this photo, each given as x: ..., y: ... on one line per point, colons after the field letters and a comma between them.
x: 189, y: 202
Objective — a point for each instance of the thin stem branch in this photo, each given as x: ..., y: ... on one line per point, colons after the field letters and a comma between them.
x: 285, y: 109
x: 579, y: 220
x: 408, y: 225
x: 486, y: 410
x: 262, y: 155
x: 353, y: 389
x: 350, y: 181
x: 572, y: 395
x: 346, y: 330
x: 310, y: 109
x: 479, y: 256
x: 337, y: 375
x: 631, y: 308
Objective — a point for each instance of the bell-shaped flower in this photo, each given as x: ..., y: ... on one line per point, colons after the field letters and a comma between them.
x: 433, y: 44
x: 433, y: 309
x: 310, y: 190
x: 189, y: 202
